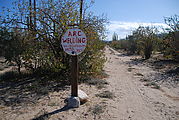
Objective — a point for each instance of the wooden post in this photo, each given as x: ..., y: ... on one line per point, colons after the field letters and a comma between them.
x: 74, y: 74
x: 75, y: 68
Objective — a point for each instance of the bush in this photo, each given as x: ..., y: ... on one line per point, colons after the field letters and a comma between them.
x: 141, y: 42
x: 42, y: 52
x: 171, y: 41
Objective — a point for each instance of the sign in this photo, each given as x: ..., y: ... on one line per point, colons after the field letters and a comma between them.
x: 74, y: 41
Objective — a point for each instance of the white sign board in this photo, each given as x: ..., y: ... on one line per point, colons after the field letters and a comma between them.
x: 74, y: 41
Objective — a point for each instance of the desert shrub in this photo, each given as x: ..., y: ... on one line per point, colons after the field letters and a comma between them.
x: 115, y: 44
x: 146, y: 38
x: 171, y: 40
x: 131, y: 46
x: 40, y: 36
x: 170, y: 43
x: 140, y: 42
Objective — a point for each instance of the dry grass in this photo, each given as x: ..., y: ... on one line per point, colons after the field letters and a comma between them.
x: 99, y: 83
x: 138, y: 74
x: 153, y: 85
x: 130, y: 69
x: 97, y: 109
x: 106, y: 94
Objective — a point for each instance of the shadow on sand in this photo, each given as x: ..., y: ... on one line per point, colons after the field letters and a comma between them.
x: 47, y: 115
x: 20, y: 91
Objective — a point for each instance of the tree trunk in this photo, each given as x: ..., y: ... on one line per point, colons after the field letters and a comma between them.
x: 19, y: 69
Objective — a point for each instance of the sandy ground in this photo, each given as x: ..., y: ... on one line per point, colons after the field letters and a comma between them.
x: 133, y: 99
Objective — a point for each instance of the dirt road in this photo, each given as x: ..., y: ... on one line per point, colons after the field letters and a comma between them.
x: 133, y: 100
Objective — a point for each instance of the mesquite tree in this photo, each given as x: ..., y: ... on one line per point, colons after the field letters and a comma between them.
x: 146, y: 37
x: 171, y: 40
x: 42, y: 25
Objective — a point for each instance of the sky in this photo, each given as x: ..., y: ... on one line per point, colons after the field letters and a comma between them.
x: 126, y: 15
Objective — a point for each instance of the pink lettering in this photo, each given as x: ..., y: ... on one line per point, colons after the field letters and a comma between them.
x: 74, y: 33
x: 79, y: 33
x: 83, y: 40
x: 69, y: 33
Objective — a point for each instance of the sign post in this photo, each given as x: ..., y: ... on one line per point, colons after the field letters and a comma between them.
x: 74, y: 42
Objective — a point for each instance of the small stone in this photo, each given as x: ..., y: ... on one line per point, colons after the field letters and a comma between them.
x: 82, y: 96
x: 73, y: 102
x: 177, y: 112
